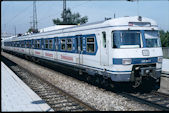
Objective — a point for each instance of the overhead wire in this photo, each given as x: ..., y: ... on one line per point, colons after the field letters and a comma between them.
x: 19, y: 14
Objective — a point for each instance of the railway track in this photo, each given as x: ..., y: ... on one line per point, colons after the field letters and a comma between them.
x: 55, y: 97
x: 164, y: 74
x: 153, y: 99
x: 65, y: 103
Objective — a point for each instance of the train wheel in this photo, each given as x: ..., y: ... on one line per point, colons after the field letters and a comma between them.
x: 88, y: 78
x: 97, y: 81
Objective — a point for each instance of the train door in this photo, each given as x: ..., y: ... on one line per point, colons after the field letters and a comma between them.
x: 79, y: 43
x: 32, y: 48
x: 56, y: 40
x: 104, y: 53
x: 29, y: 46
x: 42, y: 47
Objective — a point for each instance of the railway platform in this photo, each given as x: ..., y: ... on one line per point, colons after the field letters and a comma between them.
x: 17, y: 96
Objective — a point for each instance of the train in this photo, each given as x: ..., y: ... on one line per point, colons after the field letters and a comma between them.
x: 123, y: 50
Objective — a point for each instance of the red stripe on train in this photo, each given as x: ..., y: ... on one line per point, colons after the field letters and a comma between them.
x: 36, y: 52
x: 48, y: 54
x: 66, y: 57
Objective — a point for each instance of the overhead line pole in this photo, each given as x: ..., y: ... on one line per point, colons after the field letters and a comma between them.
x: 64, y: 11
x: 34, y: 17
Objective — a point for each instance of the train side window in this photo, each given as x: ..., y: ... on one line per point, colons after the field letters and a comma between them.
x: 50, y: 44
x: 15, y: 44
x: 35, y: 43
x: 90, y: 44
x: 28, y: 45
x: 32, y: 43
x: 69, y: 44
x: 22, y: 44
x: 18, y: 44
x: 104, y: 39
x: 63, y: 44
x: 38, y: 44
x: 46, y: 44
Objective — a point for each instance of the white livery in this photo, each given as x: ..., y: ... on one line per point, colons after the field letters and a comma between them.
x: 125, y: 49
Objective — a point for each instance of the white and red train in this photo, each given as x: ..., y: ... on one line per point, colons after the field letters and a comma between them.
x: 125, y: 49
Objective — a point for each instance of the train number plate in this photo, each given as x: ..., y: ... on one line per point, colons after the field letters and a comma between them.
x: 145, y: 52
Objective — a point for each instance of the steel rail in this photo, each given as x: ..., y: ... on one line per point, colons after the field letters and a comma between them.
x: 49, y: 92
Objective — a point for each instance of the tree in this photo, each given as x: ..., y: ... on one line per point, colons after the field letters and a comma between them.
x: 164, y: 36
x: 31, y: 30
x: 70, y: 19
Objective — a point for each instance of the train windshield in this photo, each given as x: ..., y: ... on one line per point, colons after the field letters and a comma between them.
x: 126, y: 39
x: 152, y: 39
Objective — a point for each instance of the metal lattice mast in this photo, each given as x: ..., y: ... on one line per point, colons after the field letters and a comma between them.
x: 34, y: 16
x: 64, y: 11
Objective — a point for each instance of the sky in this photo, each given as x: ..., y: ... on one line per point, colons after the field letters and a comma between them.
x: 19, y: 13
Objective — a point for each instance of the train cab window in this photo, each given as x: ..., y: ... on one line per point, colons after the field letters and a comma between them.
x: 126, y: 39
x: 63, y: 44
x: 69, y: 44
x: 90, y: 44
x: 104, y: 39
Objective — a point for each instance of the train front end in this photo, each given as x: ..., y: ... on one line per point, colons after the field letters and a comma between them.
x: 137, y: 54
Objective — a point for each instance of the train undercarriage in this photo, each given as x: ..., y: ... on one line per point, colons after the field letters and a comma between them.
x: 143, y: 76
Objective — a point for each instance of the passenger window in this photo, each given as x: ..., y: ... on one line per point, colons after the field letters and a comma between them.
x: 35, y: 44
x: 69, y: 44
x: 104, y: 39
x: 38, y: 44
x: 46, y: 44
x: 90, y: 45
x: 28, y: 44
x: 18, y: 44
x: 50, y: 44
x: 63, y: 44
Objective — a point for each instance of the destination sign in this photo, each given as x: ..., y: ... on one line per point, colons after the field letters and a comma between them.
x: 148, y: 24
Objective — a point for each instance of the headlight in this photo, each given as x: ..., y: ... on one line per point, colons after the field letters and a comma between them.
x: 160, y: 59
x: 126, y: 61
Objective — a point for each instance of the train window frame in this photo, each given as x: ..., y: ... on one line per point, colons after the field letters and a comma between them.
x: 22, y: 44
x: 50, y: 42
x: 35, y: 44
x: 18, y: 44
x: 104, y: 39
x: 28, y: 43
x: 69, y: 44
x: 46, y: 44
x: 89, y: 43
x: 112, y: 40
x: 63, y: 43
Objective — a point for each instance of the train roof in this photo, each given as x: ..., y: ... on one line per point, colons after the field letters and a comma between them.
x: 116, y: 22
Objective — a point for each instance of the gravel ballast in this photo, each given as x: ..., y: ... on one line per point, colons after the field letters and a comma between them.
x: 99, y: 98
